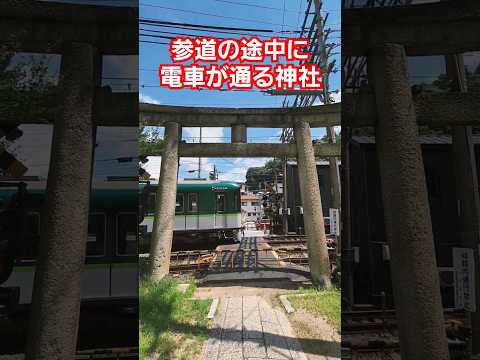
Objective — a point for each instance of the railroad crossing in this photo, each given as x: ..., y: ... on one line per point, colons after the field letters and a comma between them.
x: 251, y: 253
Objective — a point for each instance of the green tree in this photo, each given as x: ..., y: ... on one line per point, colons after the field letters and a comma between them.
x: 26, y: 90
x: 150, y: 143
x: 266, y: 173
x: 150, y: 140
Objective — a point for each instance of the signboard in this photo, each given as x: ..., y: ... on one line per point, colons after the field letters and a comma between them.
x: 464, y: 264
x: 334, y: 222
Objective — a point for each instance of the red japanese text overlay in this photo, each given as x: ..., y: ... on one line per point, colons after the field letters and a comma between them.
x: 249, y: 69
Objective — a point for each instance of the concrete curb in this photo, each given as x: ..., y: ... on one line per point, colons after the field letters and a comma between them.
x: 286, y: 304
x: 213, y: 309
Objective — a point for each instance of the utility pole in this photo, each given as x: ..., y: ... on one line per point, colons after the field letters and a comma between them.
x: 285, y: 199
x: 326, y: 67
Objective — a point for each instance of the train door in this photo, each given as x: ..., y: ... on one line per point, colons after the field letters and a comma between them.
x: 191, y: 216
x: 124, y: 274
x: 96, y: 275
x: 220, y: 209
x: 23, y: 272
x: 180, y: 218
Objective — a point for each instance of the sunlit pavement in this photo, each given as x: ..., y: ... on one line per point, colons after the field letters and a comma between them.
x: 254, y: 233
x: 247, y: 327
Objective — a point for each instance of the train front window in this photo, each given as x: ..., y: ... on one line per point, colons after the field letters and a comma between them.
x: 179, y: 208
x: 96, y: 235
x: 220, y: 202
x: 127, y: 225
x: 192, y: 203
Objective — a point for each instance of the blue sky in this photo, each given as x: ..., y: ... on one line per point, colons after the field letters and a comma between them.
x: 229, y: 13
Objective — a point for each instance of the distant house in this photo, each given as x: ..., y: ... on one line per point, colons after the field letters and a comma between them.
x: 252, y: 208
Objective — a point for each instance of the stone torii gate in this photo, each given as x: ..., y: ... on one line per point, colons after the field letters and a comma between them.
x: 386, y: 36
x: 81, y: 34
x: 300, y: 119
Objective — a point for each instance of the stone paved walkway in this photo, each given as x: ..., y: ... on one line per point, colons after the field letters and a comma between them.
x: 248, y: 328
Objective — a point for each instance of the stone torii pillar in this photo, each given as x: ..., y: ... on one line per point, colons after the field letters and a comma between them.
x: 55, y: 305
x: 468, y: 214
x: 164, y: 222
x: 415, y: 277
x: 464, y: 161
x: 318, y: 259
x: 239, y: 134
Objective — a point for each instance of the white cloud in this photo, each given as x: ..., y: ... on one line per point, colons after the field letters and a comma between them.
x: 240, y: 168
x: 186, y: 164
x: 153, y: 166
x: 337, y: 97
x: 209, y: 134
x: 147, y: 99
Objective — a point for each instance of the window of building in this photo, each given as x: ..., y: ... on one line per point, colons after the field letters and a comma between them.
x: 244, y: 203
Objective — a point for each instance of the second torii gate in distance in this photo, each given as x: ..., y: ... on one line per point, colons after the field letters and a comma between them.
x: 301, y: 119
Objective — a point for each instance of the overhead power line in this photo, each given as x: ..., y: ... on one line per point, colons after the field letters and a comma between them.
x: 172, y: 23
x: 263, y: 6
x: 158, y: 36
x: 209, y: 32
x: 154, y: 42
x: 213, y: 15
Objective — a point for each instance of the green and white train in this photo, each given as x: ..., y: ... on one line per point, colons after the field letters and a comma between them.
x: 203, y: 209
x: 110, y: 271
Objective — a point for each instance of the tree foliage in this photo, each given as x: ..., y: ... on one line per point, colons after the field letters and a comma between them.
x: 266, y: 173
x: 150, y: 140
x: 27, y: 91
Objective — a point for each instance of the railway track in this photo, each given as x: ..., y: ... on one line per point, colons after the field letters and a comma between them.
x: 373, y: 334
x: 250, y: 253
x: 123, y: 353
